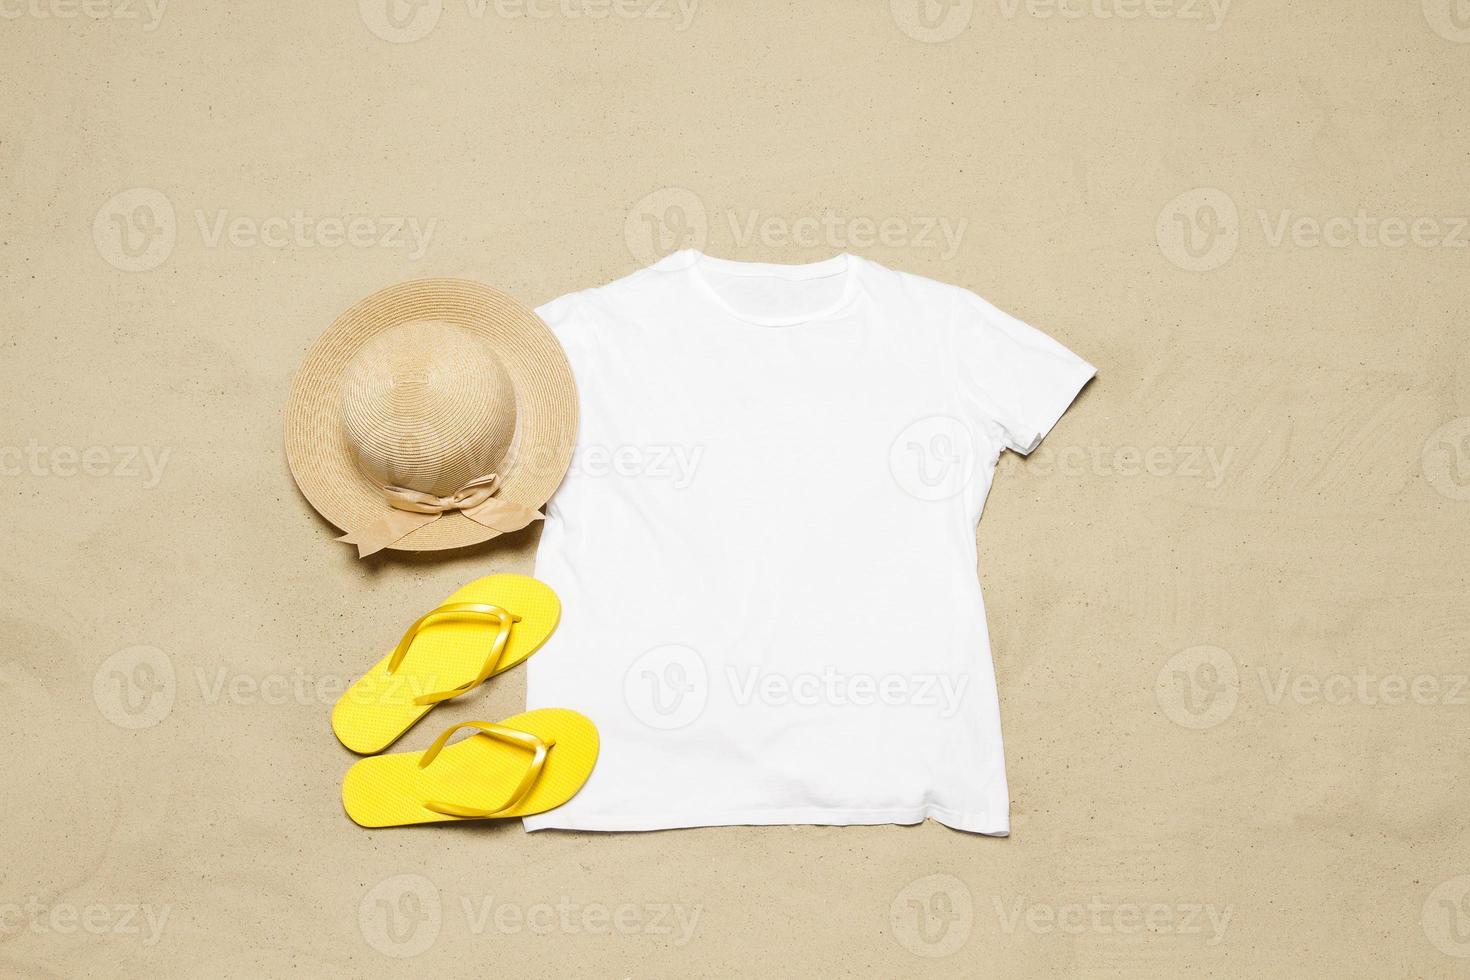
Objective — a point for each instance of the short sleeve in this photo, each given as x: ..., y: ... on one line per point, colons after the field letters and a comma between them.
x: 562, y: 315
x: 567, y: 318
x: 1013, y: 375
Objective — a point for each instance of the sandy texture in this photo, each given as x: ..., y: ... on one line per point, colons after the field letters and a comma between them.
x: 1227, y: 603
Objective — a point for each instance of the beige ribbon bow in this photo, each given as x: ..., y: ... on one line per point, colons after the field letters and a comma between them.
x: 413, y: 510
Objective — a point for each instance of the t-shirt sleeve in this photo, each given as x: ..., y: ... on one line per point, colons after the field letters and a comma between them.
x: 562, y: 315
x: 1013, y: 375
x: 567, y: 317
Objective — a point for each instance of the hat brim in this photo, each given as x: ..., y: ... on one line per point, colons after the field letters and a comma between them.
x: 545, y: 395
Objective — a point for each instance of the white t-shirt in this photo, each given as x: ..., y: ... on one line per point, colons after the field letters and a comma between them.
x: 765, y: 547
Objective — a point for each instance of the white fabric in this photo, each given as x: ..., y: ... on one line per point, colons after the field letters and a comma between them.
x: 765, y: 548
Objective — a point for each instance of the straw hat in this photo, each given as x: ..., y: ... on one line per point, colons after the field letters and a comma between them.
x: 434, y: 414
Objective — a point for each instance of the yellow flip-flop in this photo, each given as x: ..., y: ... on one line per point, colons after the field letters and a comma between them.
x: 485, y: 628
x: 530, y: 763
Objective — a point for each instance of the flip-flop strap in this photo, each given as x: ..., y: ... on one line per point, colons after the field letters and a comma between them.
x: 462, y: 610
x: 534, y: 743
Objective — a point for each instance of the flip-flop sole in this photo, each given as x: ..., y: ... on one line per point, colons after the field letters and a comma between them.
x: 377, y: 709
x: 478, y: 771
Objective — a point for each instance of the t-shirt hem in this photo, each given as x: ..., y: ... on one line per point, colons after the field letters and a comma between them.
x: 968, y: 822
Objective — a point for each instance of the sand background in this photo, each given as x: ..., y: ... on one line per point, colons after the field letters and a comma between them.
x: 1233, y: 694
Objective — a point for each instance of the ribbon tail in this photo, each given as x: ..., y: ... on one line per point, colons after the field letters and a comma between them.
x: 502, y: 515
x: 383, y: 532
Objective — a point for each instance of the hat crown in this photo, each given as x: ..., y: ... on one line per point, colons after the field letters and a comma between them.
x: 427, y: 406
